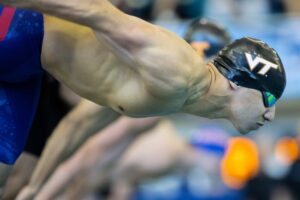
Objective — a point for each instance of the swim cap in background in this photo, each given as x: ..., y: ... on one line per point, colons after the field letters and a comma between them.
x: 187, y: 9
x: 139, y: 8
x: 202, y: 30
x: 251, y: 63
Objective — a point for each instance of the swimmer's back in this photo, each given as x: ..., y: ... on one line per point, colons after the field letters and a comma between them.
x: 98, y: 74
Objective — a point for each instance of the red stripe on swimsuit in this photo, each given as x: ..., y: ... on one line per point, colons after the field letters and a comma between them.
x: 5, y: 21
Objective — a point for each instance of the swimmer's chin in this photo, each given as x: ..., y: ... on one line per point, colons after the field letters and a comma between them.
x: 245, y: 131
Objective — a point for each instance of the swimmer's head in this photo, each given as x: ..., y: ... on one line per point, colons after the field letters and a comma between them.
x: 251, y: 63
x: 257, y: 75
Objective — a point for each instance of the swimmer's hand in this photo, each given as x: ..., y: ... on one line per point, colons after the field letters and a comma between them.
x: 27, y: 193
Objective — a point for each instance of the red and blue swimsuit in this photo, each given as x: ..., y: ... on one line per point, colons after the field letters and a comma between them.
x: 21, y: 36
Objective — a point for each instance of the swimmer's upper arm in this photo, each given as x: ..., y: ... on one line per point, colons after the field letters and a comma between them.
x: 159, y: 56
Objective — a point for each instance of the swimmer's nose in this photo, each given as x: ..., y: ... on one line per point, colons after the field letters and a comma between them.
x: 269, y: 115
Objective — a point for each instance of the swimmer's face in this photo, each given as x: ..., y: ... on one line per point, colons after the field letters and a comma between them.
x: 248, y: 111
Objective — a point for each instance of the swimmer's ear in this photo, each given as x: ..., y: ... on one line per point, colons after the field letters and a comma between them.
x: 233, y: 86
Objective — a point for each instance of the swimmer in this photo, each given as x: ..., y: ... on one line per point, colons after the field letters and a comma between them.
x: 85, y: 120
x: 139, y: 69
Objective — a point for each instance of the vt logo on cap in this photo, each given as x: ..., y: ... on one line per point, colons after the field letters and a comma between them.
x: 254, y: 63
x: 238, y: 64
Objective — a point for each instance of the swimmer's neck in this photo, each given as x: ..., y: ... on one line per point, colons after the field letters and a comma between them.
x: 214, y: 103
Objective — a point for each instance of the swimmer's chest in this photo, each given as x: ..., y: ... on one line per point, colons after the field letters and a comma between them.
x: 21, y: 35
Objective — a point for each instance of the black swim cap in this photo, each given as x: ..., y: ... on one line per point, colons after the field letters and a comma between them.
x: 251, y: 63
x: 204, y: 30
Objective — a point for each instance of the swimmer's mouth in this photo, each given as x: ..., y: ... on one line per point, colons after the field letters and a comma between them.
x: 260, y: 124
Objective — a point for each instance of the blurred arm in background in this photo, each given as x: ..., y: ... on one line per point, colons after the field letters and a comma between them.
x: 98, y: 152
x: 155, y: 153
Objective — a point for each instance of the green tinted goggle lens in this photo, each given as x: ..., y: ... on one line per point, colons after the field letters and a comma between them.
x: 269, y: 99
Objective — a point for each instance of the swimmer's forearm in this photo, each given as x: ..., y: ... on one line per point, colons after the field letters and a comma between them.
x: 113, y: 147
x: 80, y: 124
x: 82, y: 12
x: 93, y: 13
x: 97, y: 155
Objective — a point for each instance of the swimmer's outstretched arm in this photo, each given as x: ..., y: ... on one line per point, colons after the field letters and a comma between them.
x: 83, y: 121
x: 99, y: 153
x: 164, y: 61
